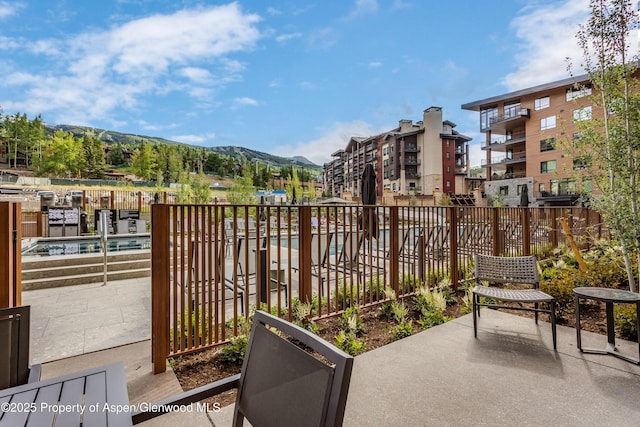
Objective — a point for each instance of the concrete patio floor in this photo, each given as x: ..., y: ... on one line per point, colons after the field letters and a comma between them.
x: 509, y: 376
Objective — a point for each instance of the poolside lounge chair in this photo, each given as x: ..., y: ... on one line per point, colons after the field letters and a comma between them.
x: 14, y: 348
x: 521, y: 270
x: 281, y: 383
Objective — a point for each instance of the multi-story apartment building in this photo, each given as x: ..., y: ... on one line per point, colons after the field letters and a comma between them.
x: 410, y: 159
x: 522, y: 134
x: 333, y: 174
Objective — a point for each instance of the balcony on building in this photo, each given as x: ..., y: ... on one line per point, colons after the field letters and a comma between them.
x: 511, y: 138
x: 412, y: 175
x: 410, y: 148
x: 412, y: 161
x: 504, y: 160
x: 499, y: 176
x: 512, y: 118
x: 414, y: 188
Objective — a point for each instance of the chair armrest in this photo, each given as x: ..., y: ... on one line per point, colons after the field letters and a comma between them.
x: 34, y: 373
x: 197, y: 394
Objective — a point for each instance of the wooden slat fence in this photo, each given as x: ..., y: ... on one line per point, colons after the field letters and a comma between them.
x: 212, y: 264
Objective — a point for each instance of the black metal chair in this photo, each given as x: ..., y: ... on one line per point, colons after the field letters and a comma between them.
x: 302, y: 382
x: 14, y: 348
x: 521, y: 270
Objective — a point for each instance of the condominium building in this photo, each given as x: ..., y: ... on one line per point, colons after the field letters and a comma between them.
x: 412, y: 159
x: 522, y: 134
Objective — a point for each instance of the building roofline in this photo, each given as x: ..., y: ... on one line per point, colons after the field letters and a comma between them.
x: 475, y: 105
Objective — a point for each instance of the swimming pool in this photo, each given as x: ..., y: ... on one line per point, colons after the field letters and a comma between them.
x: 85, y: 245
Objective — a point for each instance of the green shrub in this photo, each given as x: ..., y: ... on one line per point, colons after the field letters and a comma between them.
x: 467, y: 301
x: 349, y: 343
x: 233, y: 353
x: 625, y: 317
x: 347, y: 296
x: 375, y: 289
x: 302, y: 313
x: 403, y: 330
x: 351, y: 322
x: 429, y: 319
x: 398, y: 311
x: 428, y: 300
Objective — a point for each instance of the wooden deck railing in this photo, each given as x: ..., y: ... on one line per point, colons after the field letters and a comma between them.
x: 212, y: 264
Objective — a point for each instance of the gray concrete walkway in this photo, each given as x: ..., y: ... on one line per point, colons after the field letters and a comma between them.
x: 73, y: 320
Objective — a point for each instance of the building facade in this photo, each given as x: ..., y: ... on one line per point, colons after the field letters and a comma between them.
x: 523, y: 131
x: 412, y: 159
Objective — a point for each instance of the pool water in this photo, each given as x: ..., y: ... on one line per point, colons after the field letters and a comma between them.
x: 91, y: 245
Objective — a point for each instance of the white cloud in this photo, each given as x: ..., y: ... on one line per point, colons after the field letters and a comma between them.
x: 194, y: 139
x: 244, y: 101
x: 286, y: 37
x: 323, y: 38
x: 363, y: 7
x: 547, y: 37
x: 110, y: 70
x: 375, y: 64
x: 8, y: 9
x: 319, y: 150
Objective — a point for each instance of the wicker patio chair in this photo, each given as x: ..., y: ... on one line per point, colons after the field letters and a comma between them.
x: 14, y: 348
x: 521, y: 270
x: 282, y: 383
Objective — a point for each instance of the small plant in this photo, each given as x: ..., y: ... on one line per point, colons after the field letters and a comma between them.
x: 349, y: 343
x: 390, y: 295
x: 402, y: 330
x: 467, y: 301
x: 351, y: 322
x: 625, y: 317
x: 399, y: 311
x: 428, y: 300
x: 346, y: 296
x: 429, y: 319
x: 302, y: 316
x: 375, y: 289
x: 233, y: 353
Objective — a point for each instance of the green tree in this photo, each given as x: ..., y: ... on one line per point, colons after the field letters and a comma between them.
x: 116, y: 158
x: 62, y: 155
x: 294, y: 183
x: 169, y: 162
x: 242, y: 192
x: 94, y: 159
x: 143, y: 162
x: 611, y: 139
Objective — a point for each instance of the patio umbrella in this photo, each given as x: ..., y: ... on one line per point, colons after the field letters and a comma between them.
x: 524, y: 196
x: 369, y: 220
x: 293, y: 197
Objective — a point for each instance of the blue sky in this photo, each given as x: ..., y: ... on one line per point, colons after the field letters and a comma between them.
x: 289, y: 77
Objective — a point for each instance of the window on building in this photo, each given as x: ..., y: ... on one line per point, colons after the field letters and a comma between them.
x: 393, y: 186
x: 446, y: 143
x: 541, y: 188
x: 384, y: 151
x: 521, y: 188
x: 386, y: 175
x: 578, y: 92
x: 548, y: 167
x: 582, y: 162
x: 487, y: 116
x: 587, y: 185
x: 576, y: 136
x: 412, y: 185
x: 447, y: 155
x: 511, y: 109
x: 583, y: 113
x: 448, y: 169
x: 448, y: 184
x: 548, y: 123
x: 541, y: 103
x: 563, y: 187
x: 547, y: 144
x: 504, y: 190
x: 391, y: 173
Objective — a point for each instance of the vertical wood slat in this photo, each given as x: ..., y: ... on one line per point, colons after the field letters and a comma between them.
x: 304, y: 229
x: 394, y: 250
x: 10, y: 259
x: 160, y: 263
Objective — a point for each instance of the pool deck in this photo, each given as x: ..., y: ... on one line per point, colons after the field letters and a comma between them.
x: 443, y: 376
